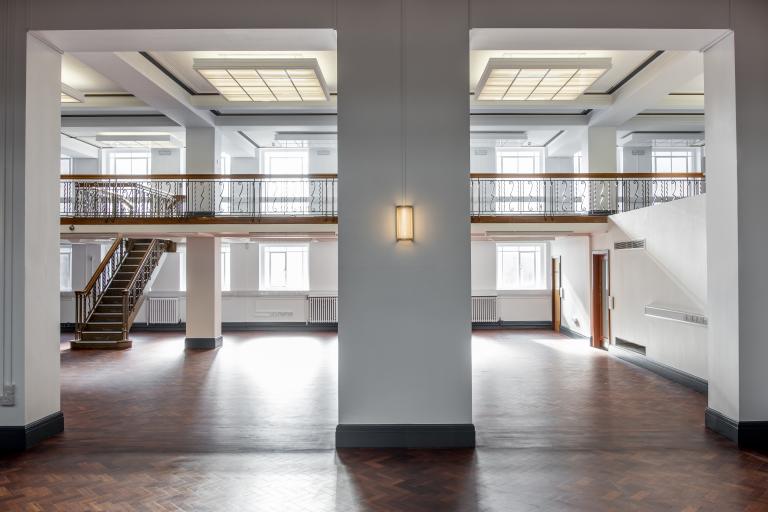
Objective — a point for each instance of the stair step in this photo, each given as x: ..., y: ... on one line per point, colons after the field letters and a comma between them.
x: 101, y: 316
x: 109, y: 308
x: 104, y: 326
x: 101, y: 335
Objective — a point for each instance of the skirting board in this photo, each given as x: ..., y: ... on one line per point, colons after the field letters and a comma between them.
x: 502, y: 324
x: 203, y: 343
x: 236, y: 326
x: 686, y: 379
x: 573, y: 334
x: 746, y: 434
x: 406, y: 436
x: 23, y: 437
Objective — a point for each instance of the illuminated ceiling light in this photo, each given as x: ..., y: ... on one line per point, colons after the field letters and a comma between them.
x: 268, y: 80
x: 136, y: 140
x: 71, y: 95
x: 539, y: 79
x: 404, y: 223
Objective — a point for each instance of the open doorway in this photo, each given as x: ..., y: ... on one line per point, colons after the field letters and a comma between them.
x: 601, y: 296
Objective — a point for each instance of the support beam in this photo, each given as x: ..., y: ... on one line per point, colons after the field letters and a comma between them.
x: 30, y: 408
x: 144, y: 80
x: 649, y: 87
x: 203, y: 292
x: 404, y: 324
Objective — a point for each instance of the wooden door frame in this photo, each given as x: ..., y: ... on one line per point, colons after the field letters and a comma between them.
x: 596, y: 292
x: 556, y: 292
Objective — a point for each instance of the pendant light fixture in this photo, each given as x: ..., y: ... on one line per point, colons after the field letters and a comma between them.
x: 403, y: 211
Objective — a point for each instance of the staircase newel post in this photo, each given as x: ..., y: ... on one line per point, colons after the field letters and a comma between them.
x: 78, y: 314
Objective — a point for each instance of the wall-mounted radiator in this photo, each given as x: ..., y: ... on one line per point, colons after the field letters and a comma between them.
x: 163, y: 310
x: 322, y: 310
x: 484, y: 309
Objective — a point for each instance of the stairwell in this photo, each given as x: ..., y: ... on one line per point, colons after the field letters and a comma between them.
x: 108, y: 305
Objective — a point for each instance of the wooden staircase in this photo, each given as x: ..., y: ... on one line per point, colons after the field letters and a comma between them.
x: 107, y: 306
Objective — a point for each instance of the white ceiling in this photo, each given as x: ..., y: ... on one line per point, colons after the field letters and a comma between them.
x: 84, y: 78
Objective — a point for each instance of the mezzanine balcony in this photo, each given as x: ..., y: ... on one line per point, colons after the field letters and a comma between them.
x: 313, y: 198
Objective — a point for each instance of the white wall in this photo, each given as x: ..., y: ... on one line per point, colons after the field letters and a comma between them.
x: 243, y: 165
x: 559, y: 164
x: 575, y: 280
x: 323, y: 160
x: 670, y: 272
x: 512, y: 306
x: 85, y: 166
x: 482, y: 159
x: 166, y: 161
x: 635, y: 159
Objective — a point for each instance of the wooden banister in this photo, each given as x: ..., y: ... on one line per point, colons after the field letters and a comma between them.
x: 192, y: 177
x: 590, y: 176
x: 104, y: 261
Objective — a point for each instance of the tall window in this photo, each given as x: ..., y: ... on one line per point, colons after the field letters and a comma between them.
x: 518, y: 161
x: 577, y: 160
x: 284, y: 267
x: 66, y: 164
x: 520, y: 266
x: 129, y: 162
x: 65, y: 268
x: 226, y: 267
x: 675, y: 160
x: 182, y: 251
x: 280, y: 161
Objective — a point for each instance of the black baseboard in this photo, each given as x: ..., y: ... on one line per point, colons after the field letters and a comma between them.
x: 512, y: 325
x: 749, y: 435
x: 686, y: 379
x: 203, y: 343
x: 23, y: 437
x: 573, y: 334
x: 406, y: 436
x: 229, y: 327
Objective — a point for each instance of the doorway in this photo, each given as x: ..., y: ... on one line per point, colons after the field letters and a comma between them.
x: 601, y: 294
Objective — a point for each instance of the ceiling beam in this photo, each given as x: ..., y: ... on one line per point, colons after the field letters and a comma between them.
x: 650, y: 87
x: 145, y: 81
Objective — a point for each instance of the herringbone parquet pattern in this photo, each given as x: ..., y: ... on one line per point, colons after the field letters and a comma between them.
x: 250, y: 428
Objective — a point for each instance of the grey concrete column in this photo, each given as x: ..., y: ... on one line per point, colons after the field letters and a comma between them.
x: 735, y: 74
x: 203, y: 292
x: 404, y: 325
x: 29, y: 238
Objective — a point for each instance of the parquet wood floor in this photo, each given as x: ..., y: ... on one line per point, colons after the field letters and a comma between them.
x: 249, y: 427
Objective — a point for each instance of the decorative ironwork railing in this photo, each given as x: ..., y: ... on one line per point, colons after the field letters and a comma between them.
x: 560, y: 195
x: 253, y: 197
x: 133, y: 294
x: 208, y: 195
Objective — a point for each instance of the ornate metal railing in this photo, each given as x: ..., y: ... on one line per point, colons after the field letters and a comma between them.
x: 133, y: 294
x: 87, y: 299
x: 255, y: 197
x: 183, y: 196
x: 561, y: 195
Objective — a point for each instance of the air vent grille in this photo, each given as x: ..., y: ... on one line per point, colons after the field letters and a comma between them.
x: 629, y: 244
x: 675, y: 315
x: 628, y: 345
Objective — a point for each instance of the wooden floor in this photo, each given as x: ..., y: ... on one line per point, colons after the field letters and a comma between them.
x: 250, y: 427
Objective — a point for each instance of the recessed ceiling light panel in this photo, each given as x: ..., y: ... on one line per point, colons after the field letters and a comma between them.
x: 136, y: 140
x: 539, y: 79
x: 269, y: 80
x: 71, y: 95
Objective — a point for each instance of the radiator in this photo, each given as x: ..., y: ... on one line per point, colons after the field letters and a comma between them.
x: 163, y: 311
x: 484, y: 309
x: 322, y: 310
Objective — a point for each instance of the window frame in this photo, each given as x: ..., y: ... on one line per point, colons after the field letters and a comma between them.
x: 115, y: 154
x: 541, y: 269
x: 226, y: 267
x: 65, y: 250
x: 536, y: 154
x: 692, y: 157
x: 266, y: 250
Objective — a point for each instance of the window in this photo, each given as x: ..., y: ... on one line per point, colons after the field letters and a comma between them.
x: 129, y: 162
x: 278, y: 161
x: 284, y: 267
x: 66, y: 164
x: 520, y: 266
x: 182, y: 251
x: 226, y: 267
x: 675, y: 160
x: 577, y: 159
x: 518, y: 161
x: 65, y: 268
